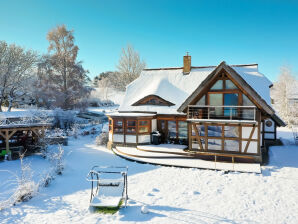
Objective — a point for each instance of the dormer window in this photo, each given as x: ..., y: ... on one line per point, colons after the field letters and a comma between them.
x: 153, y: 100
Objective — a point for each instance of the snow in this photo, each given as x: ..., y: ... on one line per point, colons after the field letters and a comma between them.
x: 117, y: 114
x: 172, y: 195
x: 183, y: 160
x: 39, y: 168
x: 175, y: 87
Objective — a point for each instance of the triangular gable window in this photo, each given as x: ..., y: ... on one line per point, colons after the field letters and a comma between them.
x: 153, y: 100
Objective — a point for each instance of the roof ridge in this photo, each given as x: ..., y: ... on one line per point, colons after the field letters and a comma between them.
x: 208, y: 66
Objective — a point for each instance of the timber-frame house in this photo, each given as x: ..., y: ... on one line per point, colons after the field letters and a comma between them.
x: 222, y: 110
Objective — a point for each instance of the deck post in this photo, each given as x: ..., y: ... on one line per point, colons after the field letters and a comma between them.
x: 8, y: 152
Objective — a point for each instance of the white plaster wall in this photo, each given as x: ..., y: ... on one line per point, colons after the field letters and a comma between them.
x: 144, y: 139
x: 252, y: 148
x: 154, y: 125
x: 269, y: 136
x: 110, y: 137
x: 118, y: 138
x: 131, y: 139
x: 246, y: 132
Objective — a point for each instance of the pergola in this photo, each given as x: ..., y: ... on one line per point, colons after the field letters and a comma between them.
x: 8, y: 131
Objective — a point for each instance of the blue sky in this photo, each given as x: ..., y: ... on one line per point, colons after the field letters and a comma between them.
x: 238, y: 32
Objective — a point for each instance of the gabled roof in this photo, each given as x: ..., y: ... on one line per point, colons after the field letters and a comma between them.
x: 254, y: 83
x: 172, y: 85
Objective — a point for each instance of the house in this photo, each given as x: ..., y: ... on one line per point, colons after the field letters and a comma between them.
x: 222, y: 110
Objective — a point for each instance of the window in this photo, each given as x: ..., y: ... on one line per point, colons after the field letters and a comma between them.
x: 110, y: 125
x: 218, y: 85
x: 215, y: 99
x: 144, y: 126
x: 201, y: 101
x: 172, y: 129
x: 214, y: 131
x: 230, y: 99
x: 118, y: 126
x: 247, y: 113
x: 131, y: 126
x: 153, y: 100
x: 214, y: 144
x: 201, y: 130
x: 230, y: 85
x: 182, y: 130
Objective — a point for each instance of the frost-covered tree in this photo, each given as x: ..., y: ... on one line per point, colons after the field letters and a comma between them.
x: 62, y: 80
x: 281, y: 92
x: 129, y: 68
x: 17, y: 68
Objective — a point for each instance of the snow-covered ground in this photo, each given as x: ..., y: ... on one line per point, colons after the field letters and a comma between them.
x: 172, y: 195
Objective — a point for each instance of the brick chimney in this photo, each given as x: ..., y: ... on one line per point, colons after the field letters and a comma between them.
x: 186, y: 64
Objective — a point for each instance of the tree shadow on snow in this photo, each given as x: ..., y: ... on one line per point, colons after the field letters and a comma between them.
x: 133, y: 214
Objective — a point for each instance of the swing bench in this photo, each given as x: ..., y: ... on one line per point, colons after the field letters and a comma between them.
x: 108, y: 187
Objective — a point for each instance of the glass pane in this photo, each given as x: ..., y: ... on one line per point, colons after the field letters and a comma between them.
x: 230, y: 85
x: 231, y: 145
x: 172, y: 129
x: 143, y: 123
x: 214, y: 131
x: 182, y: 130
x: 217, y: 85
x: 246, y: 101
x: 118, y: 123
x: 201, y: 130
x: 215, y: 100
x: 143, y: 129
x: 118, y: 130
x: 131, y: 123
x: 232, y: 131
x: 201, y: 101
x: 131, y: 130
x: 230, y: 99
x: 214, y: 144
x: 247, y: 113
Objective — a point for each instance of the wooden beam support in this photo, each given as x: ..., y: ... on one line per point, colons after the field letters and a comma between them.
x: 249, y: 139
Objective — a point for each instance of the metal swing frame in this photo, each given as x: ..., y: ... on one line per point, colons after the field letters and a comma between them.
x: 94, y: 177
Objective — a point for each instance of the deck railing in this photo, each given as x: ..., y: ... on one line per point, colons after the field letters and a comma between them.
x: 200, y: 112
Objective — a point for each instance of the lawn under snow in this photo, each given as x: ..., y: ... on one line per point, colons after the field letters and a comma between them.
x: 172, y: 195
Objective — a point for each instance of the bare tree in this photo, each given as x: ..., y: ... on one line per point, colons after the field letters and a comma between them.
x: 62, y: 78
x: 281, y: 92
x: 129, y: 68
x: 16, y: 70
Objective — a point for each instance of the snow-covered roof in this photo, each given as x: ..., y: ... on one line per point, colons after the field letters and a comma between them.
x: 117, y: 114
x: 174, y: 86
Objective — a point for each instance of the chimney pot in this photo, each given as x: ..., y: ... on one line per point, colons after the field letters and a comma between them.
x: 186, y: 64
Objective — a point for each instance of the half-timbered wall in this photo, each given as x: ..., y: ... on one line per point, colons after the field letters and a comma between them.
x: 228, y: 138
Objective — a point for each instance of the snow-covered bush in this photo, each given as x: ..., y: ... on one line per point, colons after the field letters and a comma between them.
x: 64, y: 119
x: 102, y: 139
x: 56, y: 156
x: 22, y: 187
